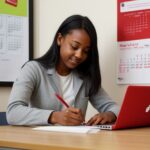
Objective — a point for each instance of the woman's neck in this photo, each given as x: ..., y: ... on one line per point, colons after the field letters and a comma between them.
x: 62, y: 71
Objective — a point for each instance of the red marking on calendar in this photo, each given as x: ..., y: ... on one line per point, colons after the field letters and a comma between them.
x: 11, y: 2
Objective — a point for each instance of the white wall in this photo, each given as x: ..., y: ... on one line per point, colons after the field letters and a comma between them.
x: 48, y: 15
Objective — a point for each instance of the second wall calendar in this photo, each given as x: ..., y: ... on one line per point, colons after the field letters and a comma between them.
x: 133, y: 41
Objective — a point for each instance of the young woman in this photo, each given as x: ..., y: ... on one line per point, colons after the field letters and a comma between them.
x: 70, y: 69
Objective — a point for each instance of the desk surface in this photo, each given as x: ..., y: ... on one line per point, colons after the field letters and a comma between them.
x: 26, y: 138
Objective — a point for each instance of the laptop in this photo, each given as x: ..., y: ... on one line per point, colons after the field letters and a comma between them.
x: 135, y: 109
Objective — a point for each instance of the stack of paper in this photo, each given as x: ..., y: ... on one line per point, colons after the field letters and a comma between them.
x: 72, y: 129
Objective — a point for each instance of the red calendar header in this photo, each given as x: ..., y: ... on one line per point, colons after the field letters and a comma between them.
x: 133, y: 20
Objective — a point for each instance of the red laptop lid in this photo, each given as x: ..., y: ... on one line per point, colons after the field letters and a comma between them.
x: 135, y: 109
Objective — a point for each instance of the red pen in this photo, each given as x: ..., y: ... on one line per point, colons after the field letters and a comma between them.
x: 61, y: 100
x: 64, y: 103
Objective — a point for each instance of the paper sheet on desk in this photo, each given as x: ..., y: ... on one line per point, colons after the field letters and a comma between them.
x: 71, y: 129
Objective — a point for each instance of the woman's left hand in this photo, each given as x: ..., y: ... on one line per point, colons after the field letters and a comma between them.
x: 102, y: 118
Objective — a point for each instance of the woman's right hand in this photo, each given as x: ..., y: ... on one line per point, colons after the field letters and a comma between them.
x: 69, y: 117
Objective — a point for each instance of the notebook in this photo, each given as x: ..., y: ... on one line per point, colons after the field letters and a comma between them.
x: 72, y: 129
x: 135, y: 109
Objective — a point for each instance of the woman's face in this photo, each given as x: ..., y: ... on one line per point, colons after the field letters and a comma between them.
x: 74, y: 49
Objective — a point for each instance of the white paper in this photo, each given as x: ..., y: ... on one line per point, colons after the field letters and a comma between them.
x: 13, y: 45
x: 134, y: 62
x: 71, y: 129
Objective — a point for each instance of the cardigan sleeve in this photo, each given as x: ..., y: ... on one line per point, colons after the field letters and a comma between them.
x: 19, y: 111
x: 102, y: 102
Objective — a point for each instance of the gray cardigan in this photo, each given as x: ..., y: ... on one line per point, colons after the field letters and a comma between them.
x: 32, y: 98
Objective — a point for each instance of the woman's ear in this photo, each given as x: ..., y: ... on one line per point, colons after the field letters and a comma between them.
x: 59, y: 38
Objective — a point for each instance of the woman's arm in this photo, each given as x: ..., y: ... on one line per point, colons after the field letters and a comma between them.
x: 19, y: 111
x: 107, y: 108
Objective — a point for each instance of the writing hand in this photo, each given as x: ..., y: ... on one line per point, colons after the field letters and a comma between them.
x: 70, y: 116
x: 102, y: 118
